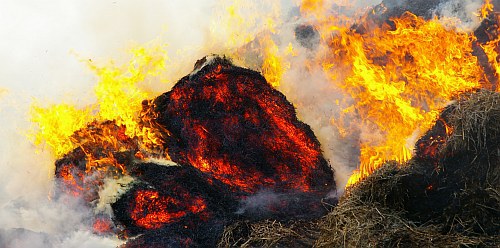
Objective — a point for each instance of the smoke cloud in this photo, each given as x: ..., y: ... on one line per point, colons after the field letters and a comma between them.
x: 463, y: 11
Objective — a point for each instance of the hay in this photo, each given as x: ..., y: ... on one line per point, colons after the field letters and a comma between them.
x: 454, y: 202
x: 476, y: 122
x: 270, y: 233
x: 368, y: 217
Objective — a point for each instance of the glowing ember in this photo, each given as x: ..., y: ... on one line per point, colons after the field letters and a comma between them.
x: 229, y: 122
x: 152, y: 211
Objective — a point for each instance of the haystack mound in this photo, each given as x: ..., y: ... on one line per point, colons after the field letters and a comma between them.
x: 449, y: 200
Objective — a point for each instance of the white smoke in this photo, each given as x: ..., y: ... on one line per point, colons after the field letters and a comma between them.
x: 465, y: 12
x: 39, y: 40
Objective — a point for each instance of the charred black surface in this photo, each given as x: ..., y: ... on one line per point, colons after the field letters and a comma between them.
x: 188, y: 197
x: 230, y: 123
x: 205, y: 234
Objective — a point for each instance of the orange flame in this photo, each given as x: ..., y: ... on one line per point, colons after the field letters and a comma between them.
x: 119, y: 98
x: 399, y: 79
x: 486, y: 9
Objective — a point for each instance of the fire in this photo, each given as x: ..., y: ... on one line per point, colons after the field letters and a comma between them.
x: 102, y: 226
x: 400, y: 77
x: 57, y: 123
x: 119, y: 98
x: 221, y: 107
x: 486, y: 9
x: 491, y: 50
x: 152, y: 210
x: 228, y: 126
x: 274, y: 65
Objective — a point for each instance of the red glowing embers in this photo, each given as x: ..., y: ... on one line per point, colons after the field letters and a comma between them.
x: 230, y: 123
x: 152, y: 210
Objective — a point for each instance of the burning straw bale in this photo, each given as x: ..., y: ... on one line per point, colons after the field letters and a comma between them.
x: 450, y: 200
x: 228, y: 122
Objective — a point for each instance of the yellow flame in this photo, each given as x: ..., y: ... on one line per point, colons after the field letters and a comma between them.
x: 274, y: 65
x: 118, y: 93
x: 400, y: 79
x: 486, y: 9
x: 491, y: 50
x: 56, y: 124
x: 119, y: 98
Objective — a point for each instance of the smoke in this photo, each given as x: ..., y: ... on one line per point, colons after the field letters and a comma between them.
x: 39, y: 40
x: 315, y: 98
x: 269, y: 204
x: 466, y: 12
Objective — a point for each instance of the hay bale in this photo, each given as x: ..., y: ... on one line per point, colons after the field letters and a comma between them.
x: 382, y: 211
x: 355, y: 223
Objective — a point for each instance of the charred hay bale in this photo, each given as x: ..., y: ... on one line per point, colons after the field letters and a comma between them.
x: 229, y: 122
x: 172, y: 206
x: 270, y: 233
x: 471, y: 164
x: 410, y: 188
x: 474, y: 211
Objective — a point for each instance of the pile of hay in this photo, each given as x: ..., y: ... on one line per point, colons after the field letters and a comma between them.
x: 449, y: 200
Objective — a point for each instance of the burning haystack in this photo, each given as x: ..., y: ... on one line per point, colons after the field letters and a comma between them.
x: 450, y: 199
x: 237, y: 151
x: 446, y: 196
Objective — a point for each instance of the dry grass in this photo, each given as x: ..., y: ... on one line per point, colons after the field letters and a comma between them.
x: 270, y: 233
x: 365, y: 219
x: 475, y: 121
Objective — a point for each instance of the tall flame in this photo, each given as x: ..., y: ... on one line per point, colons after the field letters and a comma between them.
x: 399, y: 79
